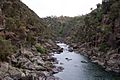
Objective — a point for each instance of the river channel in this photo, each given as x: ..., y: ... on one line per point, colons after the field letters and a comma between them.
x: 78, y: 67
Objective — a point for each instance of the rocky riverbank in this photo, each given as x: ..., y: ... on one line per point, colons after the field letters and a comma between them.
x: 110, y: 61
x: 28, y: 64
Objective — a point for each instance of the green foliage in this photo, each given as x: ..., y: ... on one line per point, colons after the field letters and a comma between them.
x: 61, y: 31
x: 99, y: 16
x: 106, y: 29
x: 40, y: 49
x: 6, y: 49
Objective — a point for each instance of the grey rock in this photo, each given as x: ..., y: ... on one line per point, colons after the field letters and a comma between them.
x: 60, y: 50
x: 37, y: 60
x: 15, y: 73
x: 29, y: 65
x: 57, y: 69
x: 8, y: 78
x: 40, y: 62
x: 84, y: 62
x: 40, y: 68
x: 3, y: 69
x: 71, y: 49
x: 22, y: 60
x: 99, y: 62
x: 53, y: 78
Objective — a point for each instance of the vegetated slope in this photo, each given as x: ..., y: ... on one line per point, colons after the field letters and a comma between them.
x: 19, y: 25
x: 57, y: 25
x: 97, y: 33
x: 63, y: 27
x: 24, y: 44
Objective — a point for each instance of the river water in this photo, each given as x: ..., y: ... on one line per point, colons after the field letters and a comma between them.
x: 78, y: 67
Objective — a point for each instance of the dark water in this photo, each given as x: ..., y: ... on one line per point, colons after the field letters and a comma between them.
x: 76, y: 70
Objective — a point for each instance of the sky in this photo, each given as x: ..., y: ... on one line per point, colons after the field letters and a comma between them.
x: 61, y: 7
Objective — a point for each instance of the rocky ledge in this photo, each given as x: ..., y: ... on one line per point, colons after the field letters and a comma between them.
x: 28, y: 64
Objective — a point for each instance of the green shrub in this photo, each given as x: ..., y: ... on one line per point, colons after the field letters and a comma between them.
x: 6, y: 48
x: 106, y: 29
x: 40, y: 48
x: 61, y: 31
x: 99, y: 16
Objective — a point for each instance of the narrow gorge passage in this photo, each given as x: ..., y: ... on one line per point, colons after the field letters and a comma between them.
x: 78, y: 67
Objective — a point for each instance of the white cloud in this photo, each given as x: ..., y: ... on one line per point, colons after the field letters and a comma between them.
x: 61, y: 7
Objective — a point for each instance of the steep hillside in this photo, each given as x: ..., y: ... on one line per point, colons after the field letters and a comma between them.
x: 24, y: 44
x: 18, y: 22
x: 100, y: 37
x: 19, y: 25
